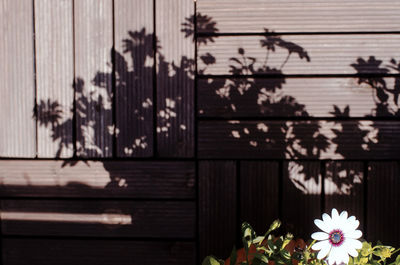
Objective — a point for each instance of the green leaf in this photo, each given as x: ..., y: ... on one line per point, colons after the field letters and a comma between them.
x: 261, y: 257
x: 397, y: 262
x: 210, y: 260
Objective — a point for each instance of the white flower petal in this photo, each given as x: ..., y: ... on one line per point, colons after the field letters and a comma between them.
x: 356, y: 234
x: 328, y: 221
x: 321, y: 244
x: 354, y: 243
x: 344, y: 215
x: 324, y: 250
x: 345, y: 257
x: 319, y: 236
x: 335, y: 215
x: 334, y: 256
x: 322, y: 225
x: 352, y: 251
x: 352, y: 223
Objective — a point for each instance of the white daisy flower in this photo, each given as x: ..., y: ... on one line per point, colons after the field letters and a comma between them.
x: 338, y: 239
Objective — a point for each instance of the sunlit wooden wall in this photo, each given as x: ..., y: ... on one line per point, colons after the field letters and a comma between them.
x: 134, y: 131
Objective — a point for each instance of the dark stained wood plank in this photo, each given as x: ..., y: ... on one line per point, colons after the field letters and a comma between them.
x: 175, y: 79
x: 259, y: 194
x: 108, y: 179
x: 288, y: 97
x: 17, y: 132
x: 383, y: 203
x: 151, y: 219
x: 301, y: 197
x: 217, y: 208
x: 297, y: 54
x: 54, y: 77
x: 93, y: 73
x: 344, y: 188
x: 299, y: 139
x: 134, y: 65
x: 98, y: 252
x: 304, y: 16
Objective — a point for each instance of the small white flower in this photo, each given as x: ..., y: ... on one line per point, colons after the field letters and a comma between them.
x: 338, y: 239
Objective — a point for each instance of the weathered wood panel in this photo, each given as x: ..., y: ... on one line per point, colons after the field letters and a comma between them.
x: 301, y: 198
x: 344, y: 188
x: 175, y: 79
x: 99, y: 252
x: 288, y: 97
x: 114, y: 179
x: 383, y: 215
x: 304, y: 16
x: 166, y: 219
x: 134, y: 62
x: 93, y: 72
x: 17, y: 101
x: 54, y: 77
x: 217, y: 208
x: 299, y: 139
x: 259, y: 194
x: 309, y: 54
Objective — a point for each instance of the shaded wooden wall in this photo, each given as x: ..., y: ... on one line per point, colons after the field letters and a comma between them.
x: 136, y: 131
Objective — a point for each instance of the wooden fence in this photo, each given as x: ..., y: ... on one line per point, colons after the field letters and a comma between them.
x: 146, y: 131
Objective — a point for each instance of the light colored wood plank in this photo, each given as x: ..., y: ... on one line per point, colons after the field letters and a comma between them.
x: 344, y: 188
x: 217, y: 208
x: 107, y: 218
x: 134, y: 61
x: 383, y: 202
x: 301, y: 198
x: 299, y: 139
x: 96, y: 252
x: 17, y: 101
x: 93, y: 44
x: 304, y: 16
x: 175, y: 79
x: 328, y: 54
x: 54, y: 77
x: 90, y: 179
x: 219, y: 97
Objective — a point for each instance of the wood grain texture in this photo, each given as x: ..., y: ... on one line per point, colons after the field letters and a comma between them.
x: 344, y: 188
x: 328, y: 54
x: 304, y: 16
x: 175, y: 79
x: 151, y: 219
x: 383, y: 202
x: 17, y: 101
x: 299, y: 139
x: 98, y: 252
x: 54, y: 77
x: 287, y: 97
x: 134, y: 67
x: 259, y: 194
x: 301, y: 198
x: 93, y: 84
x: 217, y: 208
x: 108, y: 179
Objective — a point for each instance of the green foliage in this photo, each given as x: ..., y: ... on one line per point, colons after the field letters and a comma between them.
x: 268, y: 248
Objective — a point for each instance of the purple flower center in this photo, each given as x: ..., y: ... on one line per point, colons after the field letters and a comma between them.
x: 336, y: 237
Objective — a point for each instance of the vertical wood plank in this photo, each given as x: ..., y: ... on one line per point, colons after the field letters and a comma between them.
x: 93, y: 73
x: 217, y: 208
x: 383, y: 215
x: 301, y: 198
x: 96, y: 252
x: 54, y: 77
x: 259, y: 194
x: 134, y: 62
x: 344, y: 188
x: 175, y: 79
x: 18, y: 128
